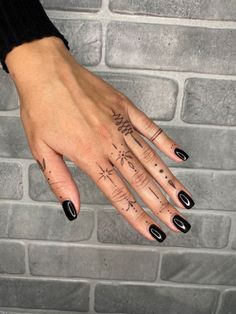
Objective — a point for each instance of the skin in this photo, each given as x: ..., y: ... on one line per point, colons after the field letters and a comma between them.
x: 68, y: 111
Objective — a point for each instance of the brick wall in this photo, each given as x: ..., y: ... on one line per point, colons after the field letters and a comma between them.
x: 176, y: 60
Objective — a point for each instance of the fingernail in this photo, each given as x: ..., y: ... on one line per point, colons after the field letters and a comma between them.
x: 181, y: 154
x: 69, y: 210
x: 185, y: 199
x: 157, y: 233
x: 181, y: 223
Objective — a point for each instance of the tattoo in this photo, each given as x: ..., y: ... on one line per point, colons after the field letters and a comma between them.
x: 153, y: 192
x: 124, y: 125
x: 137, y: 141
x: 130, y: 204
x: 124, y: 156
x: 119, y: 193
x: 156, y: 134
x: 105, y: 174
x: 43, y: 165
x: 171, y: 183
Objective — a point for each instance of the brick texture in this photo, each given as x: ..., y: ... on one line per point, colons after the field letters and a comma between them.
x: 171, y: 47
x: 208, y: 231
x: 190, y: 9
x: 44, y: 294
x: 72, y: 5
x: 73, y: 262
x: 156, y: 299
x: 199, y: 268
x: 175, y: 60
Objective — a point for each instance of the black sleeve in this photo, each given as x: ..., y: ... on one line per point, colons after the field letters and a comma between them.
x: 23, y: 21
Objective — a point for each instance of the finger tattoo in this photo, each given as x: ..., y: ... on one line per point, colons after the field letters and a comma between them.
x: 43, y: 165
x: 125, y: 127
x: 106, y: 174
x: 156, y: 134
x: 124, y: 156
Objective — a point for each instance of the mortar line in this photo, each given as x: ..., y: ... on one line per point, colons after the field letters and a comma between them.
x: 106, y: 15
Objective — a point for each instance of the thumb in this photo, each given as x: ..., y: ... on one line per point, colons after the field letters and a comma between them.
x: 59, y: 179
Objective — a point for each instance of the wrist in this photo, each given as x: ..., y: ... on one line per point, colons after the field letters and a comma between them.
x: 27, y: 59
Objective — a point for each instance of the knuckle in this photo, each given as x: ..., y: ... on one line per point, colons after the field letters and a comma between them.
x: 148, y: 155
x: 120, y: 194
x: 140, y: 217
x: 59, y: 185
x: 140, y: 179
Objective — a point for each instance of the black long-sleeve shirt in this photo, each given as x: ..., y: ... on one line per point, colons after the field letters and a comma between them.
x: 22, y: 21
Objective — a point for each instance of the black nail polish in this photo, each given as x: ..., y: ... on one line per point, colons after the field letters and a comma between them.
x: 185, y: 199
x: 69, y: 210
x: 181, y: 154
x: 181, y: 223
x: 157, y: 233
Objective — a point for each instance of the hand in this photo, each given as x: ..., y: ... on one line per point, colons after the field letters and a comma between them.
x: 67, y: 110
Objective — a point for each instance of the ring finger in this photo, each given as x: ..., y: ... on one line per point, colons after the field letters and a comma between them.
x: 143, y: 183
x: 159, y: 170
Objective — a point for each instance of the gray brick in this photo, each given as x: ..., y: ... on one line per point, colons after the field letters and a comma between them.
x: 72, y: 5
x: 211, y: 190
x: 144, y: 91
x: 208, y: 231
x: 9, y: 96
x: 13, y: 142
x: 93, y: 262
x: 234, y: 235
x: 44, y: 294
x: 191, y: 9
x: 39, y: 189
x: 154, y: 299
x: 49, y: 223
x: 170, y: 47
x: 228, y: 304
x: 84, y: 37
x: 11, y: 181
x: 12, y: 258
x: 4, y: 208
x: 199, y: 267
x: 207, y: 148
x: 209, y: 101
x: 33, y: 311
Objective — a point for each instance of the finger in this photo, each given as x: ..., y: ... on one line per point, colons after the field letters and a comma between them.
x: 159, y: 170
x: 146, y: 126
x: 143, y: 183
x: 106, y: 178
x: 59, y: 179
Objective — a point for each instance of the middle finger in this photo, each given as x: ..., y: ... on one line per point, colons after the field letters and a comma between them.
x: 135, y: 173
x: 159, y: 170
